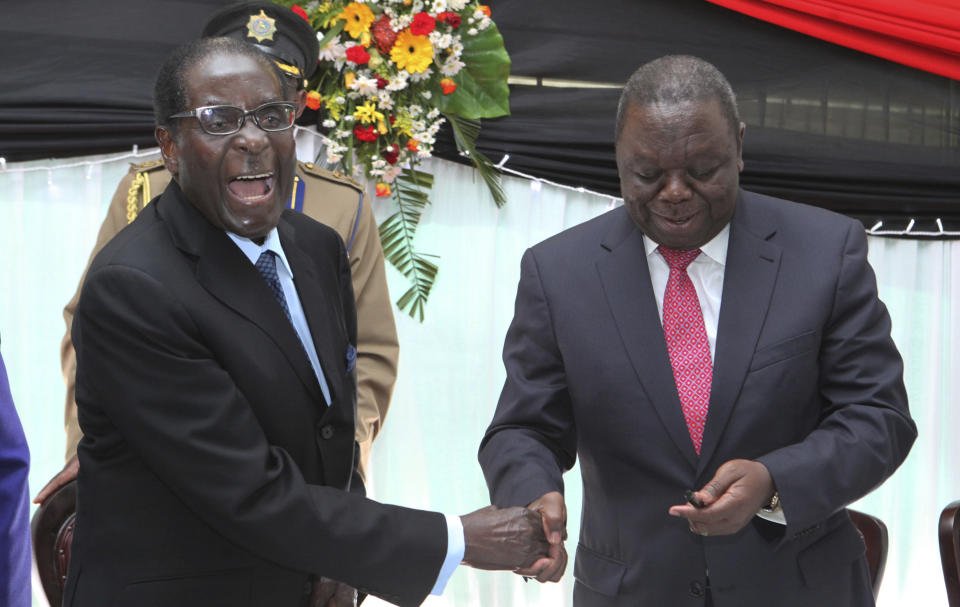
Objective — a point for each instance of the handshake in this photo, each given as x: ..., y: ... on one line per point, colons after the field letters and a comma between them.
x: 527, y: 541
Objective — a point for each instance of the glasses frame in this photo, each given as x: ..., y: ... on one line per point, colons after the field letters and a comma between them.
x: 195, y: 113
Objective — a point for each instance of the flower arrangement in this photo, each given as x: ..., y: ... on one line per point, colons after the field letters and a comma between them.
x: 392, y: 73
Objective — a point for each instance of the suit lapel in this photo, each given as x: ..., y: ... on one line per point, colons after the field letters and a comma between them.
x: 225, y: 272
x: 626, y: 284
x: 315, y: 298
x: 749, y: 278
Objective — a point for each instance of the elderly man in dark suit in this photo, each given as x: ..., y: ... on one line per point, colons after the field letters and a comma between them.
x: 701, y: 336
x: 216, y: 384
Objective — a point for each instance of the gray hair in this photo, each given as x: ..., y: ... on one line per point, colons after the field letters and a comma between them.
x: 676, y: 79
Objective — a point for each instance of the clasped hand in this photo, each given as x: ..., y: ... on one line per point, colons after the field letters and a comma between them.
x: 730, y: 500
x: 527, y: 540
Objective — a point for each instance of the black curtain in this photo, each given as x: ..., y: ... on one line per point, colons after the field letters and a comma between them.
x: 825, y: 124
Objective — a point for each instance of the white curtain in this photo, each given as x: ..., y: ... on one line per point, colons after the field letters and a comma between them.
x: 450, y: 368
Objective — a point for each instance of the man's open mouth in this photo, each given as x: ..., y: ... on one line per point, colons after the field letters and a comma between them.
x: 251, y: 188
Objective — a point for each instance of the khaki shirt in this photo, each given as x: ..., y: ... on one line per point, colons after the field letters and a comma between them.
x: 330, y: 199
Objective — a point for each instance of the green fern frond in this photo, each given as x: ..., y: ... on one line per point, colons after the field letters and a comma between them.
x: 411, y: 193
x: 465, y: 133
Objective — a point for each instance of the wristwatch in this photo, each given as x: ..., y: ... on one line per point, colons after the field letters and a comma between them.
x: 773, y: 505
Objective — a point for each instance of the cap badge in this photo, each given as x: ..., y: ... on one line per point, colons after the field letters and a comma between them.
x: 261, y: 27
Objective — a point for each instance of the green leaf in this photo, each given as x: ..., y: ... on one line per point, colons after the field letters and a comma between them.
x: 411, y: 193
x: 465, y: 133
x: 482, y: 90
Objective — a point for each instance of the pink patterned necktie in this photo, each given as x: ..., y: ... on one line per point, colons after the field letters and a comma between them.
x: 687, y: 342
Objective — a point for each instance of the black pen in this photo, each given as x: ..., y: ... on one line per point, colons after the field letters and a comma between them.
x: 690, y: 498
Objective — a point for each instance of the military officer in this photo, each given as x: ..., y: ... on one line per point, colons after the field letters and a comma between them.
x: 326, y: 196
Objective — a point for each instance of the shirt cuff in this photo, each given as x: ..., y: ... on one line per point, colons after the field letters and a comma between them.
x: 777, y: 516
x: 455, y: 548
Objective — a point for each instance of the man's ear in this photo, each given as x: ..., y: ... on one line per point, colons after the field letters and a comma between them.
x: 168, y: 149
x: 743, y: 129
x: 301, y: 101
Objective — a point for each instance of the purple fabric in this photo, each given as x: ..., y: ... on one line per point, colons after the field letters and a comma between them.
x: 14, y: 503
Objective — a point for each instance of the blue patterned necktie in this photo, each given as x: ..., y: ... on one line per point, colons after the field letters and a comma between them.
x: 267, y: 266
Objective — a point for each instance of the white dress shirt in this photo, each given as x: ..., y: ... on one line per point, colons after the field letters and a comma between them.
x: 706, y: 273
x: 455, y: 540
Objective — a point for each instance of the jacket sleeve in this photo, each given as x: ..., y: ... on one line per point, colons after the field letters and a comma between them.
x: 532, y: 438
x: 865, y: 430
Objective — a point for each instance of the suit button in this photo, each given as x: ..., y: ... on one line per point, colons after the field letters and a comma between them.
x: 696, y: 589
x: 326, y: 432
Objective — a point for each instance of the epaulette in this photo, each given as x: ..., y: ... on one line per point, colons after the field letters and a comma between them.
x: 139, y: 193
x: 328, y: 175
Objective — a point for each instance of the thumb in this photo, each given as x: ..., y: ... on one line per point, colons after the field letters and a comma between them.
x: 554, y: 512
x: 726, y: 475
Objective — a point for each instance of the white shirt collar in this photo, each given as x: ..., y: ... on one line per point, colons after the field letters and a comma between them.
x: 253, y: 250
x: 715, y: 249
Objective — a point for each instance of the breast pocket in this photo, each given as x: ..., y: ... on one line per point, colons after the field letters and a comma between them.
x: 785, y: 350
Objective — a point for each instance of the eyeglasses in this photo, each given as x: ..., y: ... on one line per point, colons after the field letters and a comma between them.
x: 228, y: 119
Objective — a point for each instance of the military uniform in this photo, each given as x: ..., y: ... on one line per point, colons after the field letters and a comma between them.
x: 328, y: 198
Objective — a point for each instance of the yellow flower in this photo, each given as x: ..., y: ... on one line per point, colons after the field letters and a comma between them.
x: 367, y: 113
x: 412, y: 53
x: 383, y: 189
x: 348, y: 79
x: 359, y: 17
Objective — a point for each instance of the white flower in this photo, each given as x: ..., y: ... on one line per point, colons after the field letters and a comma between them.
x: 379, y: 164
x: 433, y: 114
x: 420, y: 77
x: 456, y: 48
x: 384, y: 100
x: 333, y: 158
x: 472, y: 31
x: 415, y: 110
x: 426, y: 94
x: 392, y: 173
x: 451, y: 67
x: 364, y: 86
x: 341, y: 134
x: 417, y: 7
x: 439, y: 6
x: 312, y: 5
x: 457, y: 5
x: 440, y: 40
x: 334, y: 52
x: 400, y: 82
x: 484, y: 24
x: 422, y: 153
x: 329, y: 124
x: 340, y: 100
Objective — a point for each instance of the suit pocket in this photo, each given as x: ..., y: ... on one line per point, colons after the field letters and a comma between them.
x: 785, y: 349
x: 228, y: 588
x: 830, y: 556
x: 598, y: 572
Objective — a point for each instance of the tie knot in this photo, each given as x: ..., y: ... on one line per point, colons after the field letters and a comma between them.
x: 678, y: 259
x: 266, y: 261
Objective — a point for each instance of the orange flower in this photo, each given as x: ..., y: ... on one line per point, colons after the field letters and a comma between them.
x: 313, y: 100
x: 448, y: 86
x: 485, y: 9
x: 383, y: 189
x: 413, y: 145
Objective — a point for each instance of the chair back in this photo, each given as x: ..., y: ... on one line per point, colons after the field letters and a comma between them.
x: 950, y: 551
x: 52, y: 530
x: 874, y: 534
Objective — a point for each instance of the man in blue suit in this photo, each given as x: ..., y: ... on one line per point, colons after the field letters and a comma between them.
x: 14, y: 503
x: 700, y: 337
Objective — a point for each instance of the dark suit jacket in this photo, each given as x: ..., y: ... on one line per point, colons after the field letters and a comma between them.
x: 806, y: 380
x: 211, y: 470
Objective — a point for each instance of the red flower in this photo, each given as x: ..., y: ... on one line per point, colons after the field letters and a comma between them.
x: 448, y: 86
x: 450, y: 18
x: 300, y: 12
x: 422, y: 24
x: 313, y: 100
x: 364, y: 133
x: 383, y: 34
x: 382, y: 83
x: 358, y: 55
x: 391, y: 154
